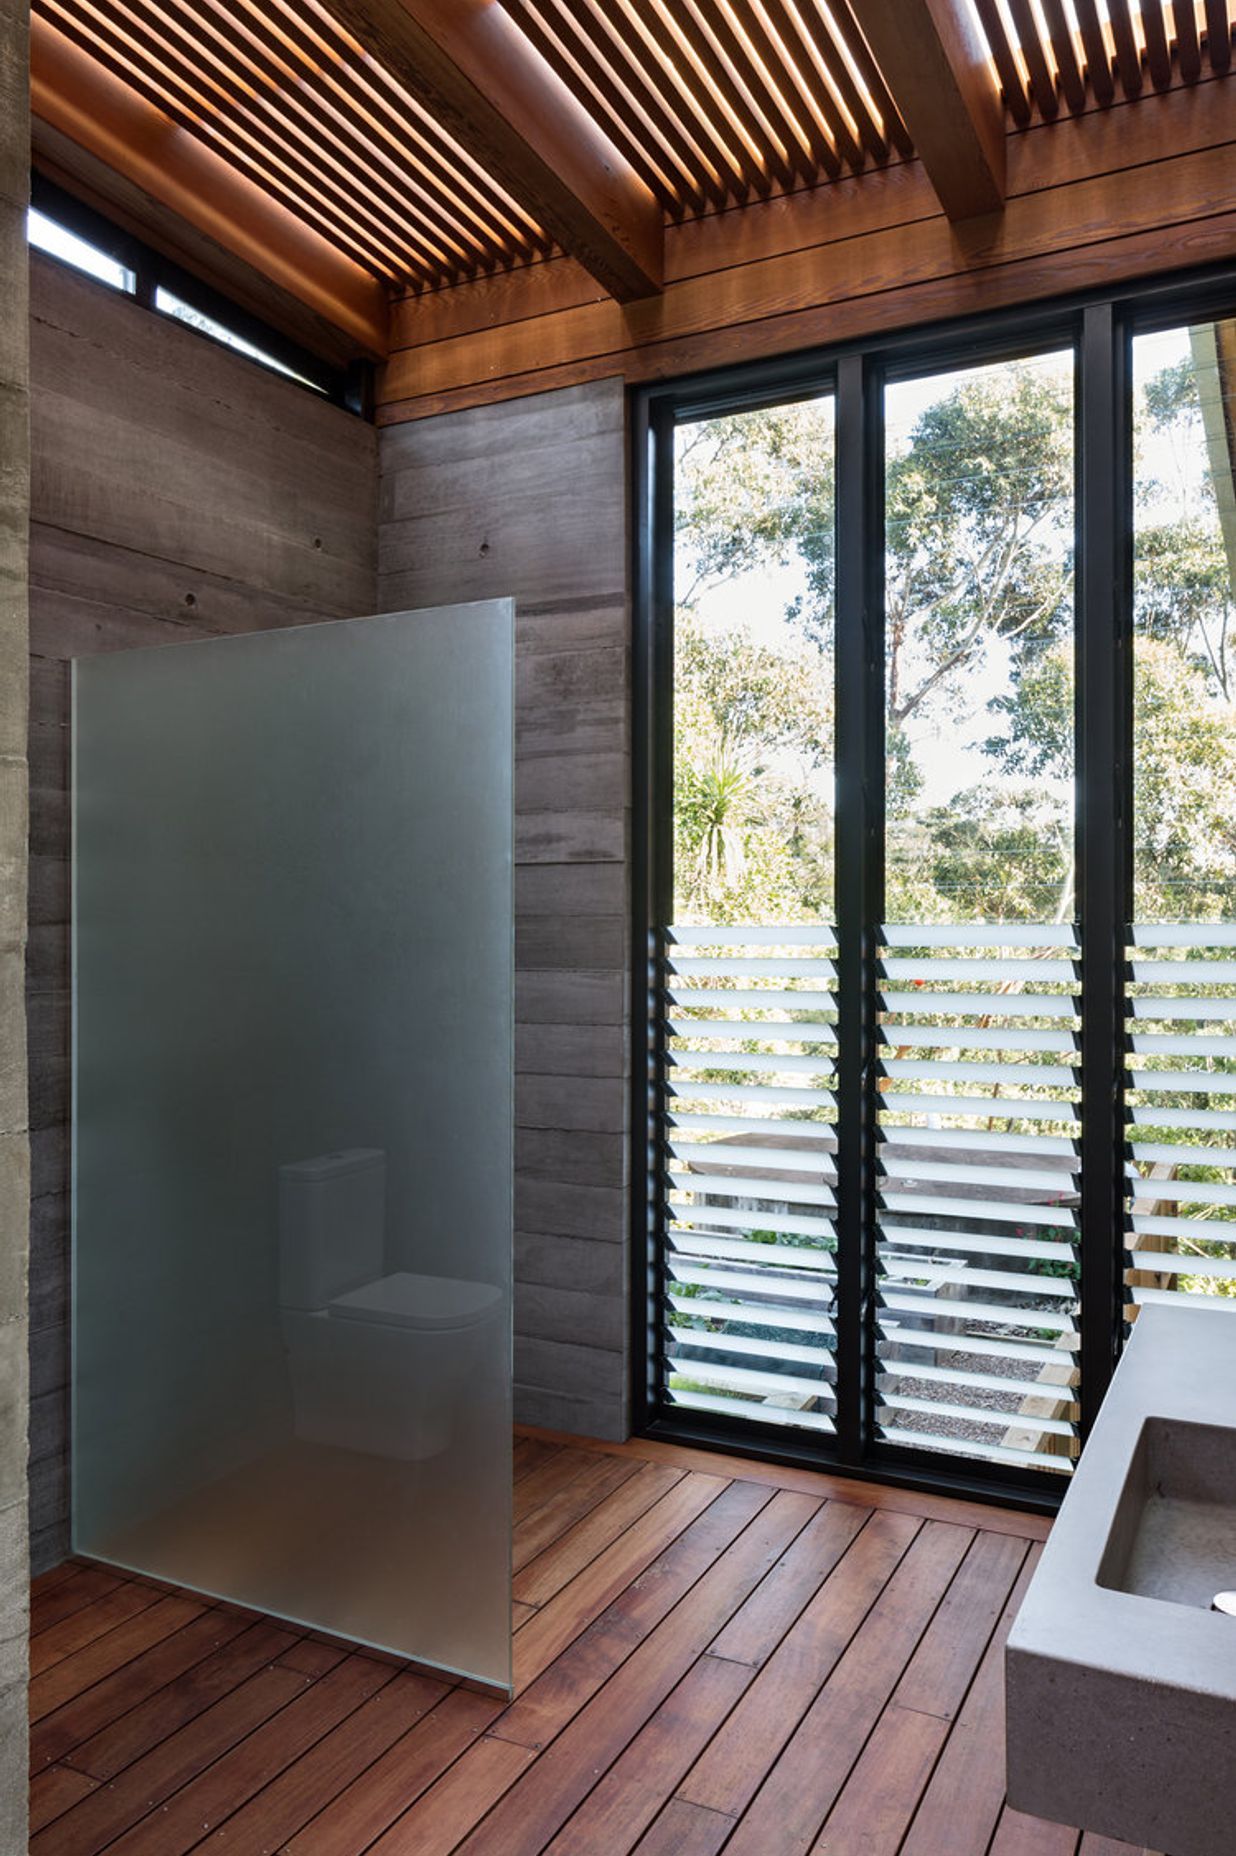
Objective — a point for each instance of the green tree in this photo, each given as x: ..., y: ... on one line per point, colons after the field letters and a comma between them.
x: 753, y: 756
x: 978, y: 511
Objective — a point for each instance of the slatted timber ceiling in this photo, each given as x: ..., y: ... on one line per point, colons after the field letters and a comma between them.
x: 716, y: 101
x: 1069, y: 53
x: 287, y: 94
x: 706, y: 103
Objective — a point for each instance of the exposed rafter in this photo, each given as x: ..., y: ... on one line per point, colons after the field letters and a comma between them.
x: 938, y: 68
x: 469, y: 64
x: 81, y: 100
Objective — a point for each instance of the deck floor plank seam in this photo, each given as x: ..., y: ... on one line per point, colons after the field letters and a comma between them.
x: 713, y: 1656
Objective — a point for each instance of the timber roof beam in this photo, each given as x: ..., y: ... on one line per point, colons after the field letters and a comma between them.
x: 469, y: 64
x: 939, y: 69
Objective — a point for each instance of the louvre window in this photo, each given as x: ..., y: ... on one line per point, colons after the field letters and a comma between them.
x: 937, y: 680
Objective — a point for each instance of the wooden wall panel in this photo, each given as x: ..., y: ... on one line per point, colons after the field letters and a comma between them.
x: 1117, y: 193
x: 178, y: 492
x: 530, y: 498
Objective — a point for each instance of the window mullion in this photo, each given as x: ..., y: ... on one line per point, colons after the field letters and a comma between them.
x: 859, y: 760
x: 1104, y: 820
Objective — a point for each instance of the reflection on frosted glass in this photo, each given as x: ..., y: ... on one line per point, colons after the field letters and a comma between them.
x: 293, y: 974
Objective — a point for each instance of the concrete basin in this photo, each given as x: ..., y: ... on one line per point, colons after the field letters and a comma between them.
x: 1174, y: 1532
x: 1121, y: 1681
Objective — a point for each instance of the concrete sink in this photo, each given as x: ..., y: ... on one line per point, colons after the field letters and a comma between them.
x: 1174, y: 1532
x: 1121, y: 1679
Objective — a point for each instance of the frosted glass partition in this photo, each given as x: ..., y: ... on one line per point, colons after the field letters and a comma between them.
x: 293, y: 1082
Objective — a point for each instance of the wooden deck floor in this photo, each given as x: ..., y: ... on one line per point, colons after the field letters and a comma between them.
x: 712, y: 1654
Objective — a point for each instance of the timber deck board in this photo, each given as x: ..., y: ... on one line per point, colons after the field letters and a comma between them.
x: 712, y: 1655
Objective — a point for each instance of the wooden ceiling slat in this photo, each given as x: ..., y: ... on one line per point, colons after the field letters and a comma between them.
x: 368, y: 88
x: 690, y: 153
x: 773, y: 37
x: 100, y: 41
x: 368, y: 96
x: 1098, y: 58
x: 372, y: 96
x: 100, y: 135
x: 701, y: 104
x: 1188, y: 45
x: 1158, y: 54
x: 854, y: 46
x: 737, y: 30
x: 837, y: 128
x: 721, y: 93
x: 853, y: 126
x: 1068, y: 68
x: 1042, y: 78
x: 780, y: 145
x: 290, y: 131
x: 295, y: 123
x: 1015, y: 98
x: 468, y: 63
x: 710, y: 74
x: 1128, y: 57
x: 576, y: 64
x: 481, y: 224
x: 773, y: 139
x: 261, y: 83
x: 674, y: 42
x: 641, y: 128
x: 663, y: 49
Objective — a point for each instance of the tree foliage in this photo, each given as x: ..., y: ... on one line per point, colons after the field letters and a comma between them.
x: 979, y: 597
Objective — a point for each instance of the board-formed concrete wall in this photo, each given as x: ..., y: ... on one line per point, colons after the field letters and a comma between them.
x: 14, y: 1143
x: 178, y: 491
x: 530, y: 498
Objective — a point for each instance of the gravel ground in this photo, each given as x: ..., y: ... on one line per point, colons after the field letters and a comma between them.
x: 985, y: 1398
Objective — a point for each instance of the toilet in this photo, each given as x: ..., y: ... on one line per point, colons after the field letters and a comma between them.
x: 380, y: 1363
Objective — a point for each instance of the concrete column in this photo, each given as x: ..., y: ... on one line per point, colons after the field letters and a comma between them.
x: 14, y: 1142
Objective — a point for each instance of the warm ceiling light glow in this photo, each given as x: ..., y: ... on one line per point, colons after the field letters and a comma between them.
x: 66, y: 16
x: 856, y: 77
x: 756, y: 154
x: 669, y: 104
x: 315, y: 99
x: 252, y: 150
x: 1014, y: 38
x: 677, y: 78
x: 790, y: 60
x: 738, y: 27
x: 1044, y: 37
x: 775, y: 140
x: 411, y: 116
x: 308, y: 150
x: 717, y: 124
x: 318, y: 149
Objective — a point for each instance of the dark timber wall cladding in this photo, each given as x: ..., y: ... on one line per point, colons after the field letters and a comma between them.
x: 179, y: 492
x: 529, y: 498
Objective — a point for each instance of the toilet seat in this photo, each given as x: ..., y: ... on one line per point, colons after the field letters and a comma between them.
x: 407, y: 1300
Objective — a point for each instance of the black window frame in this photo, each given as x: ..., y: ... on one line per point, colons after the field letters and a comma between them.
x: 349, y: 387
x: 1099, y: 326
